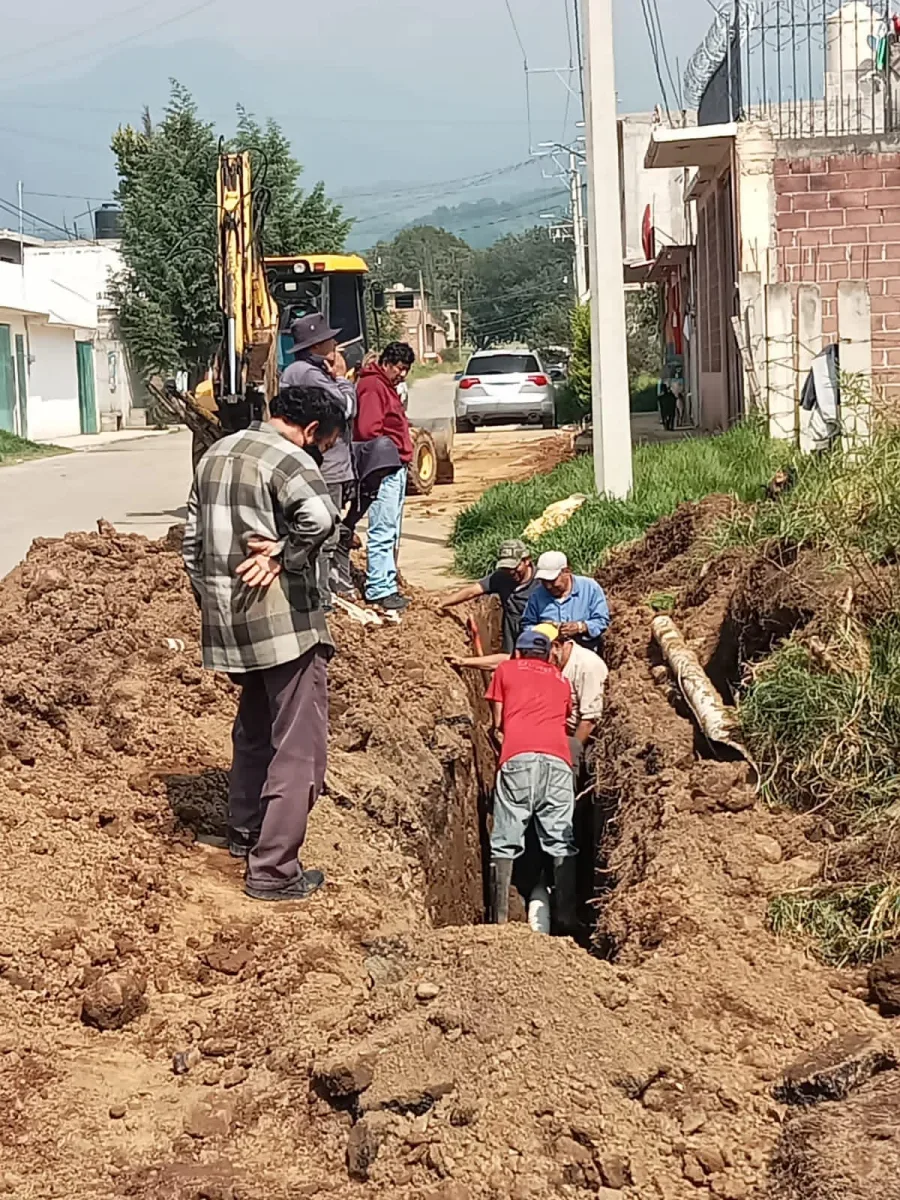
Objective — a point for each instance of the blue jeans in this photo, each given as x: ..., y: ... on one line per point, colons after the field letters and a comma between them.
x: 385, y: 521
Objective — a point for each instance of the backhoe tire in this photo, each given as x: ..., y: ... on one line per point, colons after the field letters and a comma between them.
x: 463, y: 426
x: 423, y: 467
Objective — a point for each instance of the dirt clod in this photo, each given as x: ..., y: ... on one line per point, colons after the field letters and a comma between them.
x: 341, y: 1078
x: 114, y: 1000
x: 835, y: 1070
x: 884, y: 985
x: 363, y: 1145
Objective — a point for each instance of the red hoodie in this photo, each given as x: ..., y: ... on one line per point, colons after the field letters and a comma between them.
x: 380, y: 411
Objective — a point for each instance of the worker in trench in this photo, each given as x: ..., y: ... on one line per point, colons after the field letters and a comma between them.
x: 585, y: 672
x: 575, y: 604
x: 587, y: 675
x: 531, y: 704
x: 258, y: 515
x: 512, y: 581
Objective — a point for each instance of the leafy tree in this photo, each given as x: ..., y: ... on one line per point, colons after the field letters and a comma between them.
x: 166, y: 295
x: 444, y: 260
x: 521, y: 290
x: 580, y: 361
x: 642, y: 328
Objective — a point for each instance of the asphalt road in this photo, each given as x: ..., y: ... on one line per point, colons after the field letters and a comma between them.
x: 139, y: 485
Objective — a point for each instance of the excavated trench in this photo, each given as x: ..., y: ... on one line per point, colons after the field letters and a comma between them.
x: 185, y: 1043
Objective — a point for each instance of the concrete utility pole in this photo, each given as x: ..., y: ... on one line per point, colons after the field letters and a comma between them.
x: 581, y: 288
x: 609, y: 385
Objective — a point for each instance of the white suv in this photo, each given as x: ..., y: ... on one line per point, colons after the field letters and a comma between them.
x: 506, y: 387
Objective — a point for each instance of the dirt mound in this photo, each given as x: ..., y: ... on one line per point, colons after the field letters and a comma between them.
x: 182, y: 1042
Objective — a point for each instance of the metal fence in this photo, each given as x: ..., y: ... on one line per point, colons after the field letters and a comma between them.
x: 810, y: 67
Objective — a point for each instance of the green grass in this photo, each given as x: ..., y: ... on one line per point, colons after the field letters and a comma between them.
x: 15, y: 449
x: 825, y: 730
x: 846, y: 925
x: 739, y: 463
x: 849, y: 503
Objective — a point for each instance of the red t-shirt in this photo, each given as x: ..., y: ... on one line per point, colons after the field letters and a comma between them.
x: 536, y: 705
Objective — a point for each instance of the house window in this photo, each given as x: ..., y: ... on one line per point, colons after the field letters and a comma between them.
x: 405, y: 300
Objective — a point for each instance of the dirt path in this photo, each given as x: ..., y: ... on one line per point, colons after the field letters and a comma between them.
x: 481, y: 459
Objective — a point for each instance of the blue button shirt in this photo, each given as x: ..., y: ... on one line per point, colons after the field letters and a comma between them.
x: 586, y: 602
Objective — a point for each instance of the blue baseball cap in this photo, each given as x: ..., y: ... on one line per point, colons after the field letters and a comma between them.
x: 532, y: 640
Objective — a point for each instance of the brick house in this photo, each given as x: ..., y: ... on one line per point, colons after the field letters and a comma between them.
x: 837, y: 217
x: 789, y: 198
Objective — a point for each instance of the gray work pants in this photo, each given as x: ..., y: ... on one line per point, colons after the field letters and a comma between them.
x: 333, y: 567
x: 534, y: 787
x: 278, y: 771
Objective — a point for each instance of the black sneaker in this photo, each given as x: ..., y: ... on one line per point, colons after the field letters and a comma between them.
x: 241, y: 842
x: 301, y: 888
x: 395, y: 603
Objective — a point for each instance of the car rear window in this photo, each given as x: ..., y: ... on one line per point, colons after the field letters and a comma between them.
x: 503, y: 364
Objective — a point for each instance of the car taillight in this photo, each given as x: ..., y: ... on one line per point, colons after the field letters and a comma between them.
x: 467, y: 383
x: 538, y: 380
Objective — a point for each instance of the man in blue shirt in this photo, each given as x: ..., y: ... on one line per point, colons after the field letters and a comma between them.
x: 575, y: 604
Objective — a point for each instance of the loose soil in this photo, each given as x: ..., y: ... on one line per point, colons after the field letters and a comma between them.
x: 163, y: 1037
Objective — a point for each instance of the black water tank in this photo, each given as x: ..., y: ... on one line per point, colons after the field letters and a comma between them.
x: 108, y: 222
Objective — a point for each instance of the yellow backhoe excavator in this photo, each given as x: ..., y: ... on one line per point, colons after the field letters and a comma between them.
x: 259, y: 298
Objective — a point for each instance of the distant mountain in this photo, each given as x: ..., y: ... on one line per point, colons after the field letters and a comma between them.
x: 483, y: 222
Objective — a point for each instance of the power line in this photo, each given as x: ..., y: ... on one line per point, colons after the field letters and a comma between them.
x: 66, y: 37
x: 426, y: 190
x: 654, y: 51
x: 571, y: 69
x: 676, y: 89
x: 46, y: 137
x: 576, y: 9
x: 105, y: 48
x: 220, y: 114
x: 13, y: 209
x: 516, y: 32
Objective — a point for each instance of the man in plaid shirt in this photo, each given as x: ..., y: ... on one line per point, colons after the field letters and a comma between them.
x: 258, y: 513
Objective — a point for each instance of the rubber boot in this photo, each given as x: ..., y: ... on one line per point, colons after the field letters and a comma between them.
x: 565, y: 895
x: 501, y: 879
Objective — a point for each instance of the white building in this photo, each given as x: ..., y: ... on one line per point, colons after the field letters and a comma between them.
x: 657, y: 194
x: 84, y: 270
x: 46, y: 358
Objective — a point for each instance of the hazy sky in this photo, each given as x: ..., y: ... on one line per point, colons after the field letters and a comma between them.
x: 403, y: 91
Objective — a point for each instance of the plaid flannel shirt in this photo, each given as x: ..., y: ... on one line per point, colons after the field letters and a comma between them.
x: 257, y: 482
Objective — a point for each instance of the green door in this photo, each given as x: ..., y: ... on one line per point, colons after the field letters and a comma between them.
x: 7, y: 383
x: 87, y: 400
x: 22, y: 385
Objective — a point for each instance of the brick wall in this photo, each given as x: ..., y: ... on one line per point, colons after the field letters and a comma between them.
x: 838, y: 217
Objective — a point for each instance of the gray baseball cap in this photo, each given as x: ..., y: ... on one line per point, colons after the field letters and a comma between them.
x: 511, y: 554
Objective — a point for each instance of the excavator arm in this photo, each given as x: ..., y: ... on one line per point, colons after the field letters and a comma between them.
x: 245, y: 375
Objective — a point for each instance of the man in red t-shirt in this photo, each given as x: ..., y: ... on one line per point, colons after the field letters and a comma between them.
x: 531, y: 703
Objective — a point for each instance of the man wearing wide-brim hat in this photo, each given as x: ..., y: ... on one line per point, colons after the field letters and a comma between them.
x: 318, y: 363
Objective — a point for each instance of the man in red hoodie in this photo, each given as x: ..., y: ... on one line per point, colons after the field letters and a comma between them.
x: 380, y: 413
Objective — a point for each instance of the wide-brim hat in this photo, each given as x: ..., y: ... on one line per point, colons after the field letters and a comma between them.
x: 311, y: 331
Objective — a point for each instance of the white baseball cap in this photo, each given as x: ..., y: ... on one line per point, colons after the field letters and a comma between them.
x: 551, y: 565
